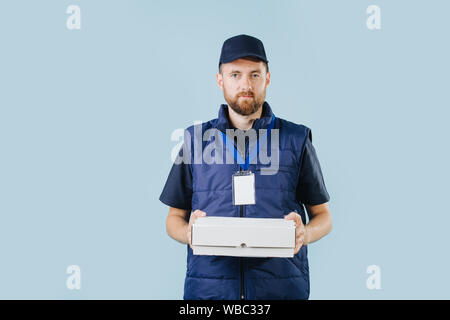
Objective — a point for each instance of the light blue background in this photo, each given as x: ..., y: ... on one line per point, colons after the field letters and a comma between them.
x: 86, y: 118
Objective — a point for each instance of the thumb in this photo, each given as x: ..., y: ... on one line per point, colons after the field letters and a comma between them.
x: 290, y: 215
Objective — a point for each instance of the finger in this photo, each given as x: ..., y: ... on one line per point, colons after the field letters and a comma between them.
x: 297, y: 248
x: 300, y: 232
x: 299, y: 244
x: 290, y: 216
x: 300, y: 240
x: 296, y: 217
x: 298, y: 220
x: 200, y: 213
x: 197, y: 213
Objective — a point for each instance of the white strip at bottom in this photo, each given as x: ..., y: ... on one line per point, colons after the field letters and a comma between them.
x: 244, y: 251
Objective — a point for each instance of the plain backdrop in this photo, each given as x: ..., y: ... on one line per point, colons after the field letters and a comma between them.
x: 86, y: 118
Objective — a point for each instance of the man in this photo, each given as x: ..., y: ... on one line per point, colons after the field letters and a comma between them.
x: 206, y: 189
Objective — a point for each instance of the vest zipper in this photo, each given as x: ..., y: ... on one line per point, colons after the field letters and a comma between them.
x: 241, y: 259
x: 241, y: 262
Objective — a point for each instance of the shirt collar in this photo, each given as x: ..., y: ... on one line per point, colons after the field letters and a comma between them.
x: 223, y: 121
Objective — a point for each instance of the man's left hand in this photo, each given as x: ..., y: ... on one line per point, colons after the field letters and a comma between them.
x: 300, y: 230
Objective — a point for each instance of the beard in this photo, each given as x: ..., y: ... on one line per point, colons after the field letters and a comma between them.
x: 245, y: 106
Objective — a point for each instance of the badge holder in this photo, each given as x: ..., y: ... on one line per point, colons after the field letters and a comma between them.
x: 243, y: 188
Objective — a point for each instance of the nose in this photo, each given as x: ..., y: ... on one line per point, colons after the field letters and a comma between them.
x: 246, y: 84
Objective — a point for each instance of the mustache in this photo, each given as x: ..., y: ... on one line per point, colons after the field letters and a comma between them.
x: 245, y: 94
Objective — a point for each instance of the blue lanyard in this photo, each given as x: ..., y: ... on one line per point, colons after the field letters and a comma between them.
x: 252, y: 154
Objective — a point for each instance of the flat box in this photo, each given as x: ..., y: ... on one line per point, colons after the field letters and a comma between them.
x: 243, y: 237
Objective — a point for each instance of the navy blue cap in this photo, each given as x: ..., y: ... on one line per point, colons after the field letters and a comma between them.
x: 242, y: 46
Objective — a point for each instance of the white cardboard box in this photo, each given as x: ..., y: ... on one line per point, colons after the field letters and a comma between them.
x: 243, y: 237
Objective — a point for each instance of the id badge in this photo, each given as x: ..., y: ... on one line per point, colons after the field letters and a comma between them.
x: 243, y: 188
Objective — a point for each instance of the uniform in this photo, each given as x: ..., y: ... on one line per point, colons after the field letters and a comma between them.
x: 207, y: 187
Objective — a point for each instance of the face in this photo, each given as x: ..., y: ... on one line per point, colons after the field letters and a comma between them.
x: 244, y: 83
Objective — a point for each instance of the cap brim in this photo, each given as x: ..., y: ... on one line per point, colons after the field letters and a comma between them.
x: 242, y: 55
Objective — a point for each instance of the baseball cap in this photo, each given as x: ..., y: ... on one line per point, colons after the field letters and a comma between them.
x: 242, y: 46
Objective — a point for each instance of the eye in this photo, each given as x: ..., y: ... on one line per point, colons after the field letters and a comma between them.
x: 234, y: 75
x: 255, y: 75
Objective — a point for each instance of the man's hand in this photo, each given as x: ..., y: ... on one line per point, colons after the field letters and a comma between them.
x: 194, y: 215
x: 300, y: 230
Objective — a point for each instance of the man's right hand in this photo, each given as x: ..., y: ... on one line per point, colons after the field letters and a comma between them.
x: 194, y: 216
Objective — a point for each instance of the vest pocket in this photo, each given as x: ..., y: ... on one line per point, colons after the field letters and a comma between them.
x: 301, y: 265
x: 191, y: 262
x: 273, y: 171
x: 282, y: 177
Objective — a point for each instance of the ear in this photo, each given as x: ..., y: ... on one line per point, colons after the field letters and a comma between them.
x: 219, y: 79
x: 267, y: 79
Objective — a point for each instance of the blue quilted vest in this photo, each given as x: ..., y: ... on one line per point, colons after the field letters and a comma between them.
x: 231, y: 278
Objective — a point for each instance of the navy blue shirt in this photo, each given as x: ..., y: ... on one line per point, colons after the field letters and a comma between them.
x: 311, y: 188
